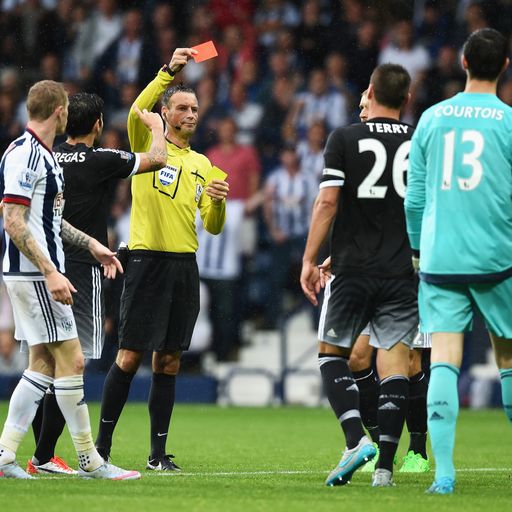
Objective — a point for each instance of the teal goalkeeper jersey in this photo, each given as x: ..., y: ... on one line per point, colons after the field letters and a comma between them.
x: 458, y: 202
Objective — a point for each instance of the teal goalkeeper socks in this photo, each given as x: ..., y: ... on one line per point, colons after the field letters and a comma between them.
x: 506, y: 391
x: 442, y: 410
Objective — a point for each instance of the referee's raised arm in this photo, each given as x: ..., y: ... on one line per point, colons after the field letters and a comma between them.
x: 139, y: 136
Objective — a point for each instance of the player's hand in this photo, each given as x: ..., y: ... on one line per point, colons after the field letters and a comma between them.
x: 325, y: 271
x: 60, y: 287
x: 110, y: 269
x: 152, y: 120
x: 179, y: 59
x: 217, y: 190
x: 310, y: 281
x: 111, y: 265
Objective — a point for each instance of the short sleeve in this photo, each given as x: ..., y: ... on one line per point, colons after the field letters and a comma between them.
x: 19, y: 180
x: 116, y: 163
x: 333, y: 174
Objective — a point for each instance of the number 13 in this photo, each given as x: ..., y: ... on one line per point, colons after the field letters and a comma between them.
x: 470, y: 159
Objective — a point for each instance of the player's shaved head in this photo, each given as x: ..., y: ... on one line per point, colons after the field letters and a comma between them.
x: 43, y: 98
x: 485, y: 52
x: 391, y: 84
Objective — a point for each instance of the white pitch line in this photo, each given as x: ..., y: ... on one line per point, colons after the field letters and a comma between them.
x: 263, y: 473
x: 176, y: 474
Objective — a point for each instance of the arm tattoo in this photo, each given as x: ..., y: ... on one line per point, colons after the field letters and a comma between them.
x: 156, y: 156
x: 74, y: 236
x: 15, y: 223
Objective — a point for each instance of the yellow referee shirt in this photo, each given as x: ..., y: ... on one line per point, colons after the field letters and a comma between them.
x: 164, y: 202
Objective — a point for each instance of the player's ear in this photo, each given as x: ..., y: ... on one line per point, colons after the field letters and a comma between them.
x: 370, y: 92
x: 407, y: 99
x: 464, y: 63
x: 505, y: 66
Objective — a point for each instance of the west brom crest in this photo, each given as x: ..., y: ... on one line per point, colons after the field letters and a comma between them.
x: 167, y: 175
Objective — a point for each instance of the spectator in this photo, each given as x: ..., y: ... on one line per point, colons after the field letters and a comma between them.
x: 310, y: 36
x: 336, y: 71
x: 246, y: 114
x: 49, y: 67
x: 404, y: 51
x: 125, y: 61
x: 363, y: 54
x: 270, y: 134
x: 28, y: 17
x: 118, y: 117
x: 96, y: 33
x: 227, y: 12
x: 162, y: 18
x: 311, y: 150
x: 447, y: 72
x: 413, y: 56
x: 210, y: 113
x: 241, y: 162
x: 234, y: 51
x: 202, y: 23
x: 434, y: 29
x: 279, y: 66
x: 219, y: 259
x: 271, y: 16
x: 56, y: 30
x: 10, y: 128
x: 250, y: 78
x: 289, y: 196
x: 318, y: 102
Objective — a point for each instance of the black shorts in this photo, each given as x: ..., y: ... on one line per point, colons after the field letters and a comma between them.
x: 88, y: 306
x: 160, y: 301
x: 351, y: 302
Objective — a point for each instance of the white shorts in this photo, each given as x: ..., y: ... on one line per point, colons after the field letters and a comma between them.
x: 421, y: 340
x: 37, y: 317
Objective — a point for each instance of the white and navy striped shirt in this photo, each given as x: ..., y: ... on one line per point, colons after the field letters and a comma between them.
x: 293, y: 197
x: 220, y: 256
x: 30, y: 176
x: 310, y: 162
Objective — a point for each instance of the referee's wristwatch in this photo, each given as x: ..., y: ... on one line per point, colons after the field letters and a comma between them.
x: 167, y: 69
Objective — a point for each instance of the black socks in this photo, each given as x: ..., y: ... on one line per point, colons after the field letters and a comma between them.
x: 160, y: 404
x: 343, y: 395
x: 115, y: 393
x: 393, y: 401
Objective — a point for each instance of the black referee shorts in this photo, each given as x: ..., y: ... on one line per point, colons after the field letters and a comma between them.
x: 160, y: 301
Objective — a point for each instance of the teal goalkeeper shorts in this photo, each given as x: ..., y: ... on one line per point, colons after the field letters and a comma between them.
x: 450, y: 308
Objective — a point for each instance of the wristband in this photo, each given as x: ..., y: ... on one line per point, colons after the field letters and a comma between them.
x: 167, y: 69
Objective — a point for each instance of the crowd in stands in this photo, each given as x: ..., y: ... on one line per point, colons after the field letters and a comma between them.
x: 288, y: 72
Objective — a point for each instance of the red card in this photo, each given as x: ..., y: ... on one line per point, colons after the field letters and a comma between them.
x: 205, y: 51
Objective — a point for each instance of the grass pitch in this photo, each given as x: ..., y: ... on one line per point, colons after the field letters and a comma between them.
x: 240, y: 459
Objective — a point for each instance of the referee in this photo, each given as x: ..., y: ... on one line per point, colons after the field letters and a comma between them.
x: 88, y: 173
x: 160, y: 300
